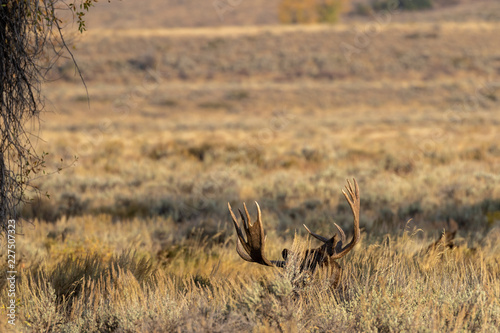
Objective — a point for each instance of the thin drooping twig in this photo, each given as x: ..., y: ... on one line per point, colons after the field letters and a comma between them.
x: 29, y: 31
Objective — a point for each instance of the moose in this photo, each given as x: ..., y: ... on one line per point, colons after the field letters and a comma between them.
x: 325, y: 256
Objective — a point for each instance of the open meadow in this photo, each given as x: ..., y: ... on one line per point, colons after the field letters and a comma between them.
x: 136, y: 235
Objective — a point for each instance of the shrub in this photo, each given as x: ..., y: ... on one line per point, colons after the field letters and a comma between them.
x: 329, y: 10
x: 402, y: 4
x: 311, y: 11
x: 415, y: 4
x: 363, y: 9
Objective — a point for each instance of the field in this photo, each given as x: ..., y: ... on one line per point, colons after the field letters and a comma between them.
x: 136, y: 235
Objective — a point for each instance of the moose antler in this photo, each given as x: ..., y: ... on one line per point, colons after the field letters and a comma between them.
x: 352, y: 197
x: 252, y: 249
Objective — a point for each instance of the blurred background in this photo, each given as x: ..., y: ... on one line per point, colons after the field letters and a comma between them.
x: 195, y: 104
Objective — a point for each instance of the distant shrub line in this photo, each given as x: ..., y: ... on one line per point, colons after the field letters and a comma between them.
x: 329, y: 11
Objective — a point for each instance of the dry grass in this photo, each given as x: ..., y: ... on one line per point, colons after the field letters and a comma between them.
x: 163, y: 137
x: 188, y: 163
x: 199, y: 285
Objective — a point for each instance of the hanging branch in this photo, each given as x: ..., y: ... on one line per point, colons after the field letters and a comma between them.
x: 29, y: 29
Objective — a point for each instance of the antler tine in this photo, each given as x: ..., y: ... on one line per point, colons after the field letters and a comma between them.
x: 249, y: 219
x: 318, y: 237
x: 341, y: 232
x: 354, y: 202
x: 259, y: 219
x: 352, y: 192
x: 235, y: 221
x: 245, y: 222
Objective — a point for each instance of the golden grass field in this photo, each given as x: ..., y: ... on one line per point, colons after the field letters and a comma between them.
x: 136, y: 235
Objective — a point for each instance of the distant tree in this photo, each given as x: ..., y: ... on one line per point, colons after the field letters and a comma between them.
x: 297, y: 11
x: 31, y: 41
x: 311, y: 11
x: 402, y: 4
